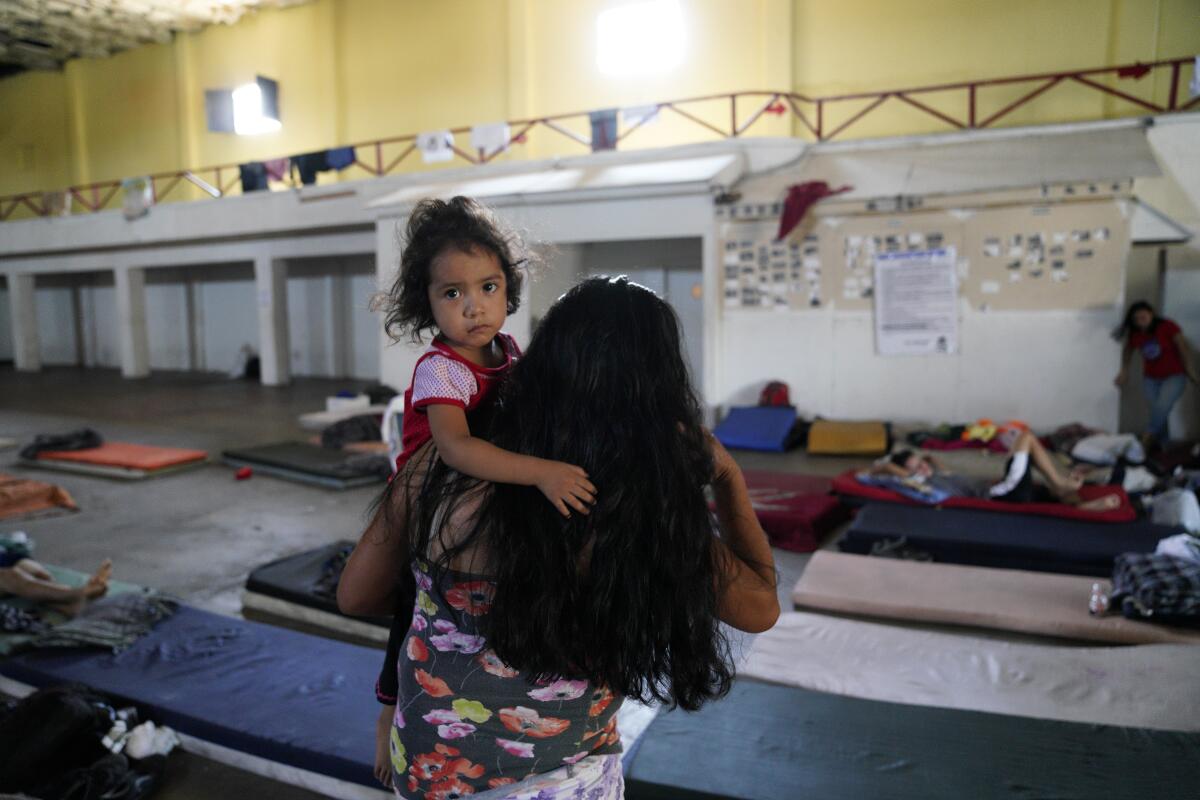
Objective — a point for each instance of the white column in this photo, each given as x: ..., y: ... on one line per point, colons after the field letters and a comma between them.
x: 270, y: 280
x: 339, y: 322
x: 132, y: 338
x: 27, y: 355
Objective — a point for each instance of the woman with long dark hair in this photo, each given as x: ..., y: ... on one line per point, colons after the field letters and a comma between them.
x: 529, y: 628
x: 1166, y: 363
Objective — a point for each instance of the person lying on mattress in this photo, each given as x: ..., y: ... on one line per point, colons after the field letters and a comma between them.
x: 925, y: 474
x: 21, y: 576
x: 530, y: 628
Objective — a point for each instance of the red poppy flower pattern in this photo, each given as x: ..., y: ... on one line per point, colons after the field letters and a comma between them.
x: 474, y: 723
x: 472, y: 597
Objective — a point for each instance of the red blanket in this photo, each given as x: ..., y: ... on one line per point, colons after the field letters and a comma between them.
x: 796, y: 511
x: 847, y: 485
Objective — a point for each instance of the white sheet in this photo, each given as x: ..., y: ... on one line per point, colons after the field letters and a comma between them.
x: 1146, y: 686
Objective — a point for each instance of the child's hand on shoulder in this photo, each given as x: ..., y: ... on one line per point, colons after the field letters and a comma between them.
x: 567, y: 487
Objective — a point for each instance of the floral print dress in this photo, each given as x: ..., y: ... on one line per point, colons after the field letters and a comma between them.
x: 467, y: 723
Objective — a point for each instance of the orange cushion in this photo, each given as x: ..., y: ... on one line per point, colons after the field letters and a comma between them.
x: 19, y: 496
x: 131, y: 456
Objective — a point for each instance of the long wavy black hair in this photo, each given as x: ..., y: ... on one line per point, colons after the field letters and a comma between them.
x: 626, y: 596
x: 1122, y: 331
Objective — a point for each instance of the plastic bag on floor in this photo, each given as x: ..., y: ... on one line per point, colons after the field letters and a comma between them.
x: 1177, y: 507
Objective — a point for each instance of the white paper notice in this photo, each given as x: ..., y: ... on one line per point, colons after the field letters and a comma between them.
x: 436, y: 146
x: 491, y: 138
x: 916, y: 303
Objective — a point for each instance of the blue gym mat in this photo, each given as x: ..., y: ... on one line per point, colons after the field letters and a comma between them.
x: 765, y: 428
x: 287, y: 697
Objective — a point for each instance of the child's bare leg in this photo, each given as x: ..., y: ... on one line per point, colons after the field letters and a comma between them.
x: 1041, y: 458
x: 30, y: 580
x: 383, y: 751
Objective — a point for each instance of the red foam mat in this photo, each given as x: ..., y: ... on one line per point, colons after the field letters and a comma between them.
x: 849, y: 486
x: 796, y: 511
x: 129, y: 456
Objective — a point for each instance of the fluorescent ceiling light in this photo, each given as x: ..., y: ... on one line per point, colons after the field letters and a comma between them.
x: 640, y: 38
x: 249, y: 116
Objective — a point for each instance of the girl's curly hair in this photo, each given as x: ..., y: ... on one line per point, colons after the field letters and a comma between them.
x: 435, y: 225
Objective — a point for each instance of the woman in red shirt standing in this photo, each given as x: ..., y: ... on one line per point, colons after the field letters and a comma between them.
x: 1166, y: 364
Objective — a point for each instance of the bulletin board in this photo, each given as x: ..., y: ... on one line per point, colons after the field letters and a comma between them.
x: 1059, y: 256
x: 1065, y: 255
x: 762, y: 273
x: 849, y: 246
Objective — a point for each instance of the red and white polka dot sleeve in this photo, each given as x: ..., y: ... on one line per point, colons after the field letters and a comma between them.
x: 440, y: 380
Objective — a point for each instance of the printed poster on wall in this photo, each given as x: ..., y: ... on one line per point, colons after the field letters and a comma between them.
x: 916, y: 303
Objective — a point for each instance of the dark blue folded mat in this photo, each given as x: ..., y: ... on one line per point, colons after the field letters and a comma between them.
x: 777, y: 742
x: 1009, y: 541
x: 287, y: 697
x: 757, y: 428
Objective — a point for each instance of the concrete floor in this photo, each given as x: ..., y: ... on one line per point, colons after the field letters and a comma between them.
x: 199, y: 533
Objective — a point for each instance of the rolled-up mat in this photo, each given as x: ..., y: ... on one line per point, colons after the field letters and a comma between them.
x: 766, y: 742
x: 1038, y: 603
x: 1147, y: 686
x: 1012, y: 541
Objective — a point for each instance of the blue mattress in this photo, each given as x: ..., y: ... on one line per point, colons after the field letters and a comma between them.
x: 1009, y: 541
x: 286, y: 697
x: 766, y: 428
x: 765, y: 742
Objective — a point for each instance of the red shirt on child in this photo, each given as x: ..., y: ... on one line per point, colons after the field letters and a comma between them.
x: 443, y: 377
x: 1160, y: 355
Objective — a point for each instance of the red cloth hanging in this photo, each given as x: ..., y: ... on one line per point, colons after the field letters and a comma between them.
x: 799, y: 199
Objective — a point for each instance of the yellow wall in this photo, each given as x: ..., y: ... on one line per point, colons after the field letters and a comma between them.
x: 34, y: 140
x: 357, y: 70
x: 903, y: 43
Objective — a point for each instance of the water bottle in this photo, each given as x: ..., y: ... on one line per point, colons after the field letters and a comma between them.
x: 1098, y: 604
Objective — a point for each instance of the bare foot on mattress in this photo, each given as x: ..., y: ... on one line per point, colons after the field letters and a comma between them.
x: 1068, y: 488
x: 1109, y: 502
x: 95, y: 588
x: 97, y: 585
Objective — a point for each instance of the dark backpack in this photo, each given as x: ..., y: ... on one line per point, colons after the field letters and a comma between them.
x: 50, y: 732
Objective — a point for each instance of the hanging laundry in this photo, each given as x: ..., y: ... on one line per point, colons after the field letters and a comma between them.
x: 139, y: 196
x: 640, y: 115
x: 491, y: 138
x: 277, y: 168
x: 56, y: 204
x: 254, y: 176
x: 799, y: 199
x: 339, y: 157
x: 308, y: 165
x: 436, y: 146
x: 604, y: 129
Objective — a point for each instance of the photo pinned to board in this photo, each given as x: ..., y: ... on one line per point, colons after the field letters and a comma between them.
x: 762, y: 272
